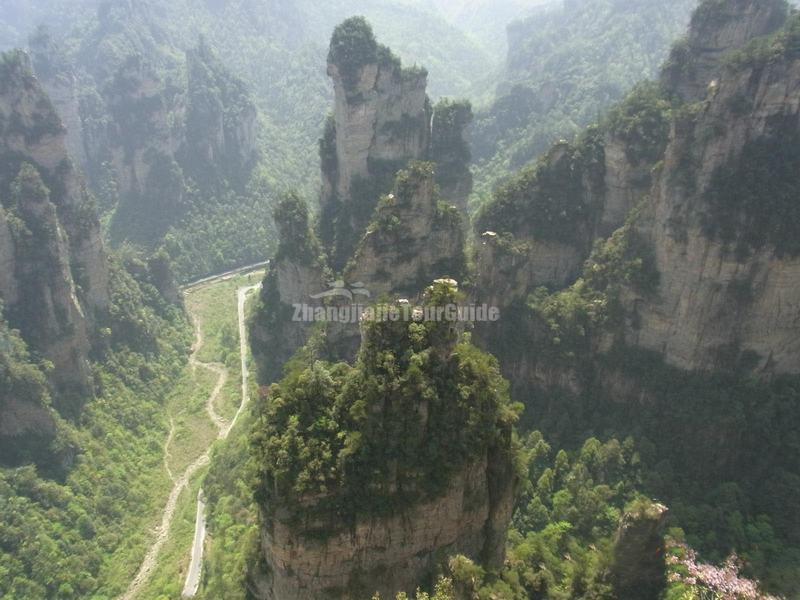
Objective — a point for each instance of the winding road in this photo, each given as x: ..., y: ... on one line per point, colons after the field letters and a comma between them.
x: 182, y: 481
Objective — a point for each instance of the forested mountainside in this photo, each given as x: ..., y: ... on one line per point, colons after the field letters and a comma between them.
x: 88, y: 344
x: 677, y: 325
x: 168, y: 139
x: 116, y: 64
x: 622, y: 424
x: 644, y: 272
x: 486, y: 20
x: 567, y: 64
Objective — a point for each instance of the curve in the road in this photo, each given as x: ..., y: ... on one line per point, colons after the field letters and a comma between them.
x: 192, y: 583
x: 162, y: 532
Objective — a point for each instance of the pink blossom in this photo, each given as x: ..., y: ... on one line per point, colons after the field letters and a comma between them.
x: 725, y: 580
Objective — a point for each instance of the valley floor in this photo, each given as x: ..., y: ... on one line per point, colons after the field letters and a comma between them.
x: 204, y: 409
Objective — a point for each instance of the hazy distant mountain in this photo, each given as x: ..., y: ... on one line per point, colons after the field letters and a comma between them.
x: 486, y: 19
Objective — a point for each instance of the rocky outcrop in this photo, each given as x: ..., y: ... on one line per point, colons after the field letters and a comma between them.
x: 380, y: 497
x: 639, y: 552
x: 49, y: 235
x: 296, y: 277
x: 717, y: 29
x: 391, y: 554
x: 382, y: 119
x: 538, y: 230
x: 382, y: 243
x: 381, y: 114
x: 414, y: 238
x: 450, y: 151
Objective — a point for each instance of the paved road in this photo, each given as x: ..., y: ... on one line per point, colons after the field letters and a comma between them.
x: 192, y: 583
x: 162, y: 532
x: 225, y: 275
x: 196, y: 566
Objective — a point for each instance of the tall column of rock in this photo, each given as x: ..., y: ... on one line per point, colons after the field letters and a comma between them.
x: 414, y: 238
x: 58, y: 275
x: 387, y: 467
x: 296, y: 274
x: 381, y: 120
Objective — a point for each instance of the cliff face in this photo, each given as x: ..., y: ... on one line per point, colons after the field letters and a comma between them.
x: 437, y: 464
x: 382, y: 119
x: 381, y: 115
x: 721, y: 232
x: 394, y: 553
x: 414, y: 238
x: 716, y: 30
x: 702, y: 174
x: 538, y: 230
x: 57, y: 274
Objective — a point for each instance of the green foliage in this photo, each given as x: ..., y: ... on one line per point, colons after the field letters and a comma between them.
x: 570, y: 316
x: 566, y: 67
x: 220, y: 233
x: 72, y: 538
x: 232, y: 519
x: 298, y: 241
x: 549, y: 200
x: 416, y: 407
x: 561, y: 539
x: 442, y: 591
x: 752, y: 199
x: 352, y: 47
x: 23, y: 387
x: 780, y: 46
x: 642, y: 121
x: 624, y: 259
x: 567, y: 321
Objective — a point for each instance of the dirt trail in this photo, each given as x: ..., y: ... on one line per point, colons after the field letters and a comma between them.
x: 167, y: 455
x: 192, y: 583
x: 150, y: 560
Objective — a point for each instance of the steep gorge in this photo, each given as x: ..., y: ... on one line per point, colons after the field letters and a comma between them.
x: 648, y: 278
x: 391, y: 224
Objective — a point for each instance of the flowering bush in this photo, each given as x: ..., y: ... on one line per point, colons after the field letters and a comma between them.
x: 708, y: 581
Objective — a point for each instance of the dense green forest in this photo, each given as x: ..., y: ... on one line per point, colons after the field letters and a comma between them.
x: 277, y: 49
x: 77, y: 530
x: 616, y: 473
x: 335, y: 431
